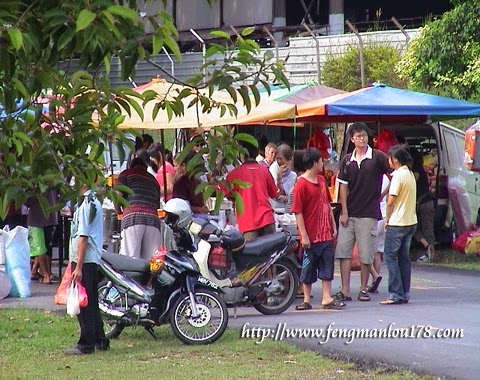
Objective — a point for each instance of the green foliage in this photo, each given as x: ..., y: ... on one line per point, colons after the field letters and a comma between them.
x: 344, y: 72
x: 38, y: 40
x: 443, y: 59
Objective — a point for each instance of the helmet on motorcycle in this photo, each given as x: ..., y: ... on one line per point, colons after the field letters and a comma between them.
x: 233, y: 240
x: 178, y: 212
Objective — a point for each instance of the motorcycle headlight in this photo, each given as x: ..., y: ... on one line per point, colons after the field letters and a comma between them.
x: 195, y: 228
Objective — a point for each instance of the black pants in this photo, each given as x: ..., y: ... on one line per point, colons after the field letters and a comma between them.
x: 90, y: 320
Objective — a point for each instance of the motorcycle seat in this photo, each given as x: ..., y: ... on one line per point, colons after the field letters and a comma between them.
x: 264, y: 244
x: 125, y: 263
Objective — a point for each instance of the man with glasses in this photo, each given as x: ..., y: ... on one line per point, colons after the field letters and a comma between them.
x: 360, y: 180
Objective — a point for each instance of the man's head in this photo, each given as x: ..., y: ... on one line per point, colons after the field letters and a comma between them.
x: 270, y: 152
x: 252, y: 151
x: 312, y: 159
x: 358, y: 133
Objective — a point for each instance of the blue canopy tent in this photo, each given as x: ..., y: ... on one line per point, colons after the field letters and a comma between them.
x: 383, y: 103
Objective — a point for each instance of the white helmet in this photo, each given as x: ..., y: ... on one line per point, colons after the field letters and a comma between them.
x: 181, y: 210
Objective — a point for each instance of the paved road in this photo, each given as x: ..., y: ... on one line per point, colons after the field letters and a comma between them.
x: 441, y: 299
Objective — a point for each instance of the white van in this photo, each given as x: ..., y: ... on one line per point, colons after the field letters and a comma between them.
x: 442, y: 147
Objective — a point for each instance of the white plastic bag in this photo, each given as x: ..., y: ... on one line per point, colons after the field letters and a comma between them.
x: 73, y: 305
x: 17, y: 259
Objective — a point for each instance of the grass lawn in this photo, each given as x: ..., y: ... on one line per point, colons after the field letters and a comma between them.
x: 32, y: 344
x: 448, y: 257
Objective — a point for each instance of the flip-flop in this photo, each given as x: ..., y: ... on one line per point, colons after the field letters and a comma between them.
x: 341, y: 297
x: 391, y: 302
x: 303, y: 306
x: 374, y: 287
x: 334, y: 305
x: 363, y: 296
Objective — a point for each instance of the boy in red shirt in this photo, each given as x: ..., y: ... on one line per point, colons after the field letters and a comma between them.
x: 317, y: 228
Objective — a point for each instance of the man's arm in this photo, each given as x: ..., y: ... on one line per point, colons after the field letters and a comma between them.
x: 82, y: 249
x: 343, y: 201
x: 302, y: 230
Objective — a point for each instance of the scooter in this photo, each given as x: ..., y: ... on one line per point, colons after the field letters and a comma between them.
x: 166, y: 289
x: 256, y: 273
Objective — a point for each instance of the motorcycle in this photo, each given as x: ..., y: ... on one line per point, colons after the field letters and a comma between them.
x: 166, y: 289
x: 262, y: 273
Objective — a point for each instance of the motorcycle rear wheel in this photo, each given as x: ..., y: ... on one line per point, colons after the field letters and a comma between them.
x: 287, y: 275
x: 205, y: 329
x: 113, y: 297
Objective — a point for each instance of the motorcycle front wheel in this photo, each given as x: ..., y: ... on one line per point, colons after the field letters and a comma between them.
x: 282, y: 273
x: 208, y: 326
x: 112, y: 297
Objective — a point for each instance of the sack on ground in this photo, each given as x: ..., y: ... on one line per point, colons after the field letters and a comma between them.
x: 17, y: 260
x: 62, y: 291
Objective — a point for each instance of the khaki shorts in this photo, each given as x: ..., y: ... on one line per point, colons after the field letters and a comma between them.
x: 359, y: 230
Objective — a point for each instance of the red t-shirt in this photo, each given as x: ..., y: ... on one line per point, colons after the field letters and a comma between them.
x: 257, y: 211
x: 311, y: 200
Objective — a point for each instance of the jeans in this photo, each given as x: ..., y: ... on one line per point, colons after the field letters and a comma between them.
x: 396, y: 257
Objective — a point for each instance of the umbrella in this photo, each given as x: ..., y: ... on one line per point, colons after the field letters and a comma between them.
x: 383, y: 103
x: 297, y: 94
x: 193, y: 117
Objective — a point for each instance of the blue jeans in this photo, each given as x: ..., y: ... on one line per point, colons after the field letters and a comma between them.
x: 397, y: 247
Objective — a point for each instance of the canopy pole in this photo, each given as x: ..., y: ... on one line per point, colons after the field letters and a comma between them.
x: 164, y: 165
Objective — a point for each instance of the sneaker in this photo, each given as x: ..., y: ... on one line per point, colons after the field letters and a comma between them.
x: 423, y: 259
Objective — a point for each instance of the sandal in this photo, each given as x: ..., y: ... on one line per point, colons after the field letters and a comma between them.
x: 303, y: 306
x: 341, y: 297
x: 363, y: 296
x: 374, y: 287
x: 391, y: 302
x: 334, y: 305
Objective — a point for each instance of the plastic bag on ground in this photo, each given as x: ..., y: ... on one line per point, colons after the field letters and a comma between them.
x: 17, y: 259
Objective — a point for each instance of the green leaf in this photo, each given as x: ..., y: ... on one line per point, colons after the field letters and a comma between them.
x: 248, y: 31
x: 247, y: 138
x: 21, y: 88
x: 16, y: 38
x: 173, y: 46
x: 233, y: 93
x: 238, y: 202
x: 221, y: 34
x: 65, y: 38
x: 157, y: 43
x: 85, y: 18
x: 256, y: 94
x: 124, y: 12
x: 243, y: 90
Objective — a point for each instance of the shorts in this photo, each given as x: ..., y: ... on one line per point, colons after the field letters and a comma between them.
x: 318, y: 262
x: 379, y: 236
x: 359, y: 230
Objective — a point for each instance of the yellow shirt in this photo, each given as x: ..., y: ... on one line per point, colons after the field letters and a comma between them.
x: 403, y: 186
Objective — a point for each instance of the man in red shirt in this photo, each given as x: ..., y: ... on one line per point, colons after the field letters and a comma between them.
x: 257, y: 217
x: 317, y: 228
